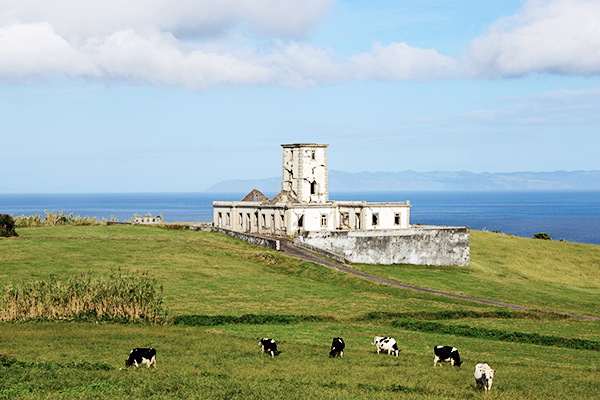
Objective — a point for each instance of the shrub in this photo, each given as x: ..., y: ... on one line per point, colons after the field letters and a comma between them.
x: 251, y: 319
x: 497, y: 334
x: 7, y: 226
x: 51, y: 218
x: 542, y: 235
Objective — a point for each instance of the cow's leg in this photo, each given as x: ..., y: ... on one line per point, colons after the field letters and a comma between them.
x: 342, y: 353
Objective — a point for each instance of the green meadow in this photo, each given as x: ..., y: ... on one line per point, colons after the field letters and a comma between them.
x: 303, y: 306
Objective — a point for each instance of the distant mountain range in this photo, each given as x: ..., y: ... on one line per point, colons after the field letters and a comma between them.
x: 436, y: 180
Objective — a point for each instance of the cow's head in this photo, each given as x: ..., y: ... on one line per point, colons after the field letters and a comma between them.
x: 377, y: 339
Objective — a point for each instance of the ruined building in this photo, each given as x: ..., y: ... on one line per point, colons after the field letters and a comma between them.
x: 357, y: 230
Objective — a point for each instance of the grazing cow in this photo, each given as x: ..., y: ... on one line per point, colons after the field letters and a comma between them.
x: 269, y: 346
x: 142, y: 356
x: 337, y: 347
x: 386, y: 344
x: 446, y: 354
x: 483, y: 376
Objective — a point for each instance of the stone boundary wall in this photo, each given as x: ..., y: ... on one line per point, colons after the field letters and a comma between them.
x: 252, y: 239
x: 419, y: 244
x: 336, y: 257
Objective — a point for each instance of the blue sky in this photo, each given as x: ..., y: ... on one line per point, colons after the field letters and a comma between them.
x: 175, y: 96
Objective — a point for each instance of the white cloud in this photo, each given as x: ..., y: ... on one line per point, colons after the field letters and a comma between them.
x: 204, y: 43
x: 546, y: 36
x: 194, y: 18
x: 401, y: 62
x: 35, y: 50
x: 564, y: 108
x: 148, y: 42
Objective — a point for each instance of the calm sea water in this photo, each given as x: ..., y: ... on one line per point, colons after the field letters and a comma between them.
x: 574, y: 216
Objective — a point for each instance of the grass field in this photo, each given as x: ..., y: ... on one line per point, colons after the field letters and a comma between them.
x: 212, y: 274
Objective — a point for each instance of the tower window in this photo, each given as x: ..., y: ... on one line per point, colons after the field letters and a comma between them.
x: 312, y: 154
x: 397, y: 219
x: 300, y: 221
x: 375, y: 219
x: 313, y: 188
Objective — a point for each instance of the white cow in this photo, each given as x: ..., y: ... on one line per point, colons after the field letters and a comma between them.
x: 484, y: 376
x: 386, y: 344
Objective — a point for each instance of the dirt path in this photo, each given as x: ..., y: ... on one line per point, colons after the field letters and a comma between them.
x: 302, y: 254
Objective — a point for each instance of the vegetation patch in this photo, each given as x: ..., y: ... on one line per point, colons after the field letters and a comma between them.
x: 117, y: 297
x: 7, y: 226
x: 9, y: 361
x: 251, y: 319
x: 462, y: 314
x: 497, y: 334
x: 52, y: 218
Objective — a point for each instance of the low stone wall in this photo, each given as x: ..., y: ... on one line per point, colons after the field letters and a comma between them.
x: 252, y: 239
x: 419, y: 244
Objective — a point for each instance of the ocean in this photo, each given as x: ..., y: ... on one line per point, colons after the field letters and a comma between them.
x: 573, y: 216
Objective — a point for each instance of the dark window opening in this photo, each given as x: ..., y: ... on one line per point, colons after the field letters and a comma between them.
x: 301, y: 221
x: 396, y: 219
x: 375, y: 218
x: 313, y: 188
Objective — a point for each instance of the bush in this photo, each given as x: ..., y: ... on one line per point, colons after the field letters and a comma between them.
x: 542, y: 235
x: 251, y: 319
x: 497, y: 334
x: 51, y: 218
x: 7, y: 226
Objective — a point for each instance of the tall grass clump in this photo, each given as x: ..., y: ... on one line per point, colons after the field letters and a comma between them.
x: 116, y: 297
x: 51, y: 218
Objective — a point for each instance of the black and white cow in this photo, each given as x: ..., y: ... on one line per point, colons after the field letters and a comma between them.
x: 269, y: 346
x: 484, y: 375
x: 446, y: 354
x: 386, y: 344
x: 337, y: 347
x: 141, y: 356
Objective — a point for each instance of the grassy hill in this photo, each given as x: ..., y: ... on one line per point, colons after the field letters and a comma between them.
x: 212, y: 274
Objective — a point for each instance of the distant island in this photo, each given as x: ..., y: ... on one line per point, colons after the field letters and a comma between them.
x: 436, y: 180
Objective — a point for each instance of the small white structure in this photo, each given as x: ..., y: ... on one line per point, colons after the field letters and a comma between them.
x: 303, y: 203
x: 147, y: 220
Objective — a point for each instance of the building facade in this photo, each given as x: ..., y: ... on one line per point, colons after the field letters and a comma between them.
x: 303, y: 203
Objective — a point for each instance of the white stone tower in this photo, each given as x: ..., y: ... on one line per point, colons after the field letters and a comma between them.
x: 305, y: 172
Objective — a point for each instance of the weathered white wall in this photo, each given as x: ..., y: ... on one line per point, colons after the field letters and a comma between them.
x: 432, y: 245
x: 300, y: 169
x: 386, y: 216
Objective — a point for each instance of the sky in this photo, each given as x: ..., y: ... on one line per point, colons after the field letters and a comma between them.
x: 177, y: 95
